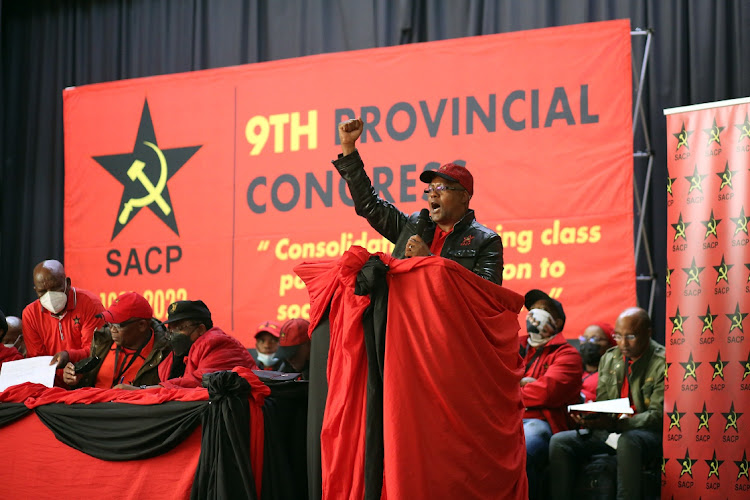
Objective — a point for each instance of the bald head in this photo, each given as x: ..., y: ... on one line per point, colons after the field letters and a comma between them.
x: 49, y: 275
x: 633, y: 332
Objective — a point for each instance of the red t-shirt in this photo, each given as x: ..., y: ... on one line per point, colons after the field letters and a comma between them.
x: 439, y: 240
x: 126, y: 369
x: 71, y: 330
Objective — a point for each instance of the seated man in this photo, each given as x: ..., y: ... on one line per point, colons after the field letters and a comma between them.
x: 266, y: 345
x: 7, y: 353
x: 551, y: 381
x: 62, y: 321
x: 14, y: 335
x: 198, y: 347
x: 140, y: 344
x: 294, y: 347
x: 594, y: 342
x: 634, y: 369
x: 452, y: 231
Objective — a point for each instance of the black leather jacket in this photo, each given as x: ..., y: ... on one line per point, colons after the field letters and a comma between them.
x: 471, y: 244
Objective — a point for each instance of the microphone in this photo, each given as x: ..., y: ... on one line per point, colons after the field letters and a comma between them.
x: 424, y: 218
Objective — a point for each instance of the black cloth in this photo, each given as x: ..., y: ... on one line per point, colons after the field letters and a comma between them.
x: 371, y: 281
x: 285, y: 459
x: 224, y: 469
x: 10, y: 412
x: 316, y: 405
x: 474, y: 246
x: 119, y: 431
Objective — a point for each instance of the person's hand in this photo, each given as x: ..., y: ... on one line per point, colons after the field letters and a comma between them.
x: 548, y: 330
x: 349, y: 132
x: 527, y: 380
x: 127, y: 387
x: 605, y: 421
x: 69, y: 375
x: 416, y: 247
x: 60, y: 359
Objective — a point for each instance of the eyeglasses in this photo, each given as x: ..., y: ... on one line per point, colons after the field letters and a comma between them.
x: 629, y: 338
x: 583, y: 339
x: 441, y: 188
x: 120, y: 326
x: 181, y: 329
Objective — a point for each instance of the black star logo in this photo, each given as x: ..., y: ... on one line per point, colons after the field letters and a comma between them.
x: 690, y: 368
x: 740, y: 221
x: 669, y: 276
x: 745, y: 367
x: 726, y: 177
x: 744, y: 129
x: 677, y: 322
x: 77, y: 320
x: 742, y: 466
x: 674, y: 418
x: 703, y: 418
x: 714, y: 134
x: 664, y: 461
x: 682, y: 137
x: 687, y: 464
x: 722, y: 270
x: 732, y: 417
x: 748, y: 274
x: 696, y: 181
x: 666, y: 370
x: 708, y: 320
x: 670, y: 181
x: 713, y: 466
x: 737, y: 318
x: 144, y: 174
x: 693, y: 273
x: 679, y: 228
x: 718, y: 366
x: 711, y: 225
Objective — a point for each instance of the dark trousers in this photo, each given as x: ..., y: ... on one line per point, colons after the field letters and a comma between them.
x: 568, y: 451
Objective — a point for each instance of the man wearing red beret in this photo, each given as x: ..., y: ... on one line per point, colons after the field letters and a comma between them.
x: 451, y: 230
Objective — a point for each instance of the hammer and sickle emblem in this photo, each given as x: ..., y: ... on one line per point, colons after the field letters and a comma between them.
x: 723, y: 274
x: 743, y: 470
x: 704, y: 422
x: 173, y: 308
x: 679, y: 231
x: 695, y: 183
x: 708, y: 323
x: 741, y: 226
x: 711, y: 228
x: 687, y: 468
x: 745, y: 132
x: 719, y: 370
x: 682, y: 140
x: 135, y: 172
x: 736, y: 322
x: 726, y: 179
x: 715, y: 135
x: 675, y: 420
x: 690, y: 371
x: 731, y: 421
x: 714, y: 470
x: 747, y: 371
x: 677, y: 324
x: 693, y: 276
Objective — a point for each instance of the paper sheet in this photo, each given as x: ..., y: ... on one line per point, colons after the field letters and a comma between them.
x: 621, y: 405
x: 36, y: 370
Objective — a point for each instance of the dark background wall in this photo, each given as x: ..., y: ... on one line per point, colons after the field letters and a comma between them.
x: 46, y: 45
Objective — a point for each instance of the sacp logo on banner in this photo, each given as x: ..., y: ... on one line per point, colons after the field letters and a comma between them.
x: 144, y: 174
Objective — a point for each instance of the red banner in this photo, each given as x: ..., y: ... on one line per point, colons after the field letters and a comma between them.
x: 214, y: 184
x: 708, y: 301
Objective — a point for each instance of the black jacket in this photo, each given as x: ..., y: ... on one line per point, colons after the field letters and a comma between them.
x: 474, y: 246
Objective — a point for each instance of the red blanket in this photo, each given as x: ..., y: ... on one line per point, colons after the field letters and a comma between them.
x: 452, y: 406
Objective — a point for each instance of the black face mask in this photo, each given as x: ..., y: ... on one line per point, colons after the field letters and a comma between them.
x: 591, y: 353
x: 180, y: 343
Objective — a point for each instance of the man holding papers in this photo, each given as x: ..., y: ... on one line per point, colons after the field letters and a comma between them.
x: 634, y: 369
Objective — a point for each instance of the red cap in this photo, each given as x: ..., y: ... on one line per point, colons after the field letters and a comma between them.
x: 609, y: 330
x: 452, y: 172
x: 272, y: 327
x: 294, y: 332
x: 126, y: 306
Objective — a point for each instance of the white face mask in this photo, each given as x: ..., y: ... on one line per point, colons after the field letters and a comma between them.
x: 536, y: 322
x: 54, y: 302
x: 267, y: 359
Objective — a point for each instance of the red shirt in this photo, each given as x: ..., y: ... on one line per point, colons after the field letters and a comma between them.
x: 71, y: 330
x: 213, y: 351
x: 9, y: 354
x: 126, y: 369
x: 439, y: 240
